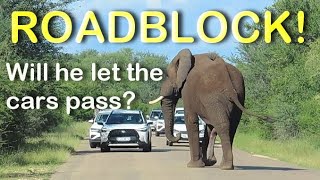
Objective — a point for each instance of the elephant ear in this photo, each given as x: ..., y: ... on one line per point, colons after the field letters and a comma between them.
x: 183, y: 64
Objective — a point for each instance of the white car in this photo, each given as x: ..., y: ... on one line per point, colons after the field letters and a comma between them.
x: 159, y: 126
x: 179, y: 110
x: 153, y: 117
x: 94, y: 132
x: 126, y: 129
x: 180, y: 127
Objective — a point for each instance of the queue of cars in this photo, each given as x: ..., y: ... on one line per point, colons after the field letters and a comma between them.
x: 129, y: 129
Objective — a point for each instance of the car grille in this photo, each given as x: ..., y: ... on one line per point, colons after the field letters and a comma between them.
x: 133, y: 134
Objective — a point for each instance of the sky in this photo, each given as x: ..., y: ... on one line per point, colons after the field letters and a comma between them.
x: 189, y: 12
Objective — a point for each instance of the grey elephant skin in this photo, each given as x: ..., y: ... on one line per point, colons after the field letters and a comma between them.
x: 212, y: 89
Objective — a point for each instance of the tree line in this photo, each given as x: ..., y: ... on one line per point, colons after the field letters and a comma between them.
x: 283, y: 79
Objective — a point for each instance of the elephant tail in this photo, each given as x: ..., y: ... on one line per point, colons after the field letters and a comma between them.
x: 243, y: 109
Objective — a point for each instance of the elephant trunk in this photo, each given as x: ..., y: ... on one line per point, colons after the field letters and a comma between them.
x: 168, y: 106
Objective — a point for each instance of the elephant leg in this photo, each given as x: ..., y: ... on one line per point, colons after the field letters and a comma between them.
x: 192, y: 125
x: 210, y: 152
x: 221, y: 123
x: 235, y: 119
x: 208, y: 147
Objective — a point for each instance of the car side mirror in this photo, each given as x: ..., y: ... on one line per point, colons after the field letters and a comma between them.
x: 91, y: 121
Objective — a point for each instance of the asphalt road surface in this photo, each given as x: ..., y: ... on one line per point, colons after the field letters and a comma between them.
x: 166, y: 162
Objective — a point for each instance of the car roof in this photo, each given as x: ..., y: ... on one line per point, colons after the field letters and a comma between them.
x: 105, y: 111
x: 125, y: 111
x: 179, y: 115
x: 157, y: 110
x: 179, y: 108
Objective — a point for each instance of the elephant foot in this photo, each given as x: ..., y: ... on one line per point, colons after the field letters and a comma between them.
x: 210, y: 162
x: 196, y: 164
x: 226, y: 166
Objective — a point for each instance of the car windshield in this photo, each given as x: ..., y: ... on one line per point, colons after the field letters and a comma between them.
x: 161, y: 116
x: 125, y: 119
x: 179, y: 120
x: 155, y: 113
x: 180, y: 112
x: 102, y: 118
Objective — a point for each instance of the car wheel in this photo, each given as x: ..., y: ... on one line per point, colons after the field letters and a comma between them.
x: 147, y: 148
x: 168, y: 143
x: 105, y: 149
x: 93, y: 145
x: 157, y: 133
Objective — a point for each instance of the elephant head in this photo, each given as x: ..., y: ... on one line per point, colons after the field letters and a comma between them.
x: 177, y: 72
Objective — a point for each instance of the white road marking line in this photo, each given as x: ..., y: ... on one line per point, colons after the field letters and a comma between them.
x: 266, y: 157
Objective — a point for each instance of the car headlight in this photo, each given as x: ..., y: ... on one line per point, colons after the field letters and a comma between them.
x: 94, y: 130
x: 143, y: 129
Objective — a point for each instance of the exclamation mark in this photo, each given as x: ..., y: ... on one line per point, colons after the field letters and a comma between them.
x: 300, y: 25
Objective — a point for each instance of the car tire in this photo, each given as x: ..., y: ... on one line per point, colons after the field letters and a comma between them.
x: 93, y: 145
x: 168, y: 143
x: 157, y: 134
x: 105, y: 149
x: 147, y: 148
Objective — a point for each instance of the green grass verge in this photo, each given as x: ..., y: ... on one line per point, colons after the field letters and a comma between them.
x: 303, y: 152
x: 40, y: 156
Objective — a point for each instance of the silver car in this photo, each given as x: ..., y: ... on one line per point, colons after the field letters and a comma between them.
x: 97, y: 124
x: 126, y: 129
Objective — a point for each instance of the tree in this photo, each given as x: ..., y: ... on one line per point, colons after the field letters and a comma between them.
x: 17, y: 125
x: 282, y: 79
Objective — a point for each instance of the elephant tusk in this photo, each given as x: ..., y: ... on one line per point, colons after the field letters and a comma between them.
x: 156, y: 100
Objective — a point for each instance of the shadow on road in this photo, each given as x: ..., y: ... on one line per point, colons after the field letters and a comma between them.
x: 266, y: 168
x: 85, y: 152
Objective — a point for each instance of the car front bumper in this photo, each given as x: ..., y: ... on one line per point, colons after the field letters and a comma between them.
x: 184, y: 137
x: 94, y: 137
x: 138, y: 144
x: 141, y: 139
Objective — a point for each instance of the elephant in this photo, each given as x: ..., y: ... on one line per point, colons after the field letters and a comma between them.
x: 211, y: 89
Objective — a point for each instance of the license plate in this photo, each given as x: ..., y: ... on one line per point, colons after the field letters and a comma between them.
x: 184, y: 135
x: 123, y: 139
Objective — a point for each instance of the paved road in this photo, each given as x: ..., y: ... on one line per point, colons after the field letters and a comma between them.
x: 170, y: 163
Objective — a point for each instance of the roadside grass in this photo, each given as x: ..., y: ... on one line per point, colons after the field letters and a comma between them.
x: 40, y: 156
x: 303, y: 152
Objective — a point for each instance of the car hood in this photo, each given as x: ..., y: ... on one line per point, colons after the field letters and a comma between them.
x: 125, y: 126
x: 180, y: 127
x: 96, y: 126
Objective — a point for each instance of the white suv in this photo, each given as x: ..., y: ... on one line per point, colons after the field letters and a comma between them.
x: 159, y: 125
x: 94, y: 132
x: 126, y: 128
x: 180, y: 127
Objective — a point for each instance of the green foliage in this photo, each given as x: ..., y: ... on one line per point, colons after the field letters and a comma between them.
x: 40, y: 156
x: 282, y: 80
x: 17, y: 125
x: 303, y: 152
